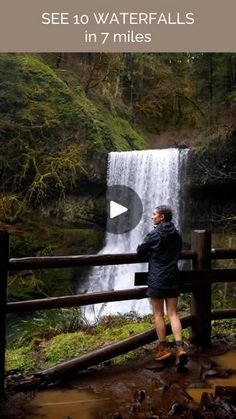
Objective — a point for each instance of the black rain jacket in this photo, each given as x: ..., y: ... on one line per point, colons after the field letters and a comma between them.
x: 162, y: 247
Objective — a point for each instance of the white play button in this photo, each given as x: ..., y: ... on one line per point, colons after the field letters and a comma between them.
x: 116, y: 209
x: 124, y: 209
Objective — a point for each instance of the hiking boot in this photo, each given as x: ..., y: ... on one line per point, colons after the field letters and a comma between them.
x: 181, y: 357
x: 162, y: 353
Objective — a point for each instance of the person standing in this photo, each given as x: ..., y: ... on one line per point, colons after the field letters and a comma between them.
x: 162, y: 248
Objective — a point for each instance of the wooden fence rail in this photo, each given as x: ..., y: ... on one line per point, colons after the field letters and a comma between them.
x: 47, y: 262
x: 190, y: 280
x: 197, y: 281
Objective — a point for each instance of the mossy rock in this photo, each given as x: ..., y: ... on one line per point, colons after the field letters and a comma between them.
x: 53, y: 137
x: 41, y: 101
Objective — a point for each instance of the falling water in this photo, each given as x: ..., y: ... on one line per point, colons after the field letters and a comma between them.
x: 156, y: 177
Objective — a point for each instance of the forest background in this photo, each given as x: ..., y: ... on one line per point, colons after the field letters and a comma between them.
x: 61, y: 114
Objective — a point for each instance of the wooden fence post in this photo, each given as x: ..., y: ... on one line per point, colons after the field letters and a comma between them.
x: 201, y: 296
x: 4, y: 259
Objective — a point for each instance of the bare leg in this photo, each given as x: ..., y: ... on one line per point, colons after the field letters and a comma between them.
x: 158, y: 312
x: 171, y: 307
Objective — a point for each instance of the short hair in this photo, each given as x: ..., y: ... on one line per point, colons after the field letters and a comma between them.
x: 166, y: 211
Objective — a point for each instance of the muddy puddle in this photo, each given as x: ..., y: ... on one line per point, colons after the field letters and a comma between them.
x: 141, y: 388
x: 224, y: 364
x: 74, y: 403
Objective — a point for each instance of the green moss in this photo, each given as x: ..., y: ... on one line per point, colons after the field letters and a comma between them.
x: 40, y: 99
x: 40, y: 354
x: 66, y: 346
x: 105, y: 131
x: 119, y: 332
x: 123, y: 136
x: 52, y: 137
x: 47, y: 352
x: 20, y: 358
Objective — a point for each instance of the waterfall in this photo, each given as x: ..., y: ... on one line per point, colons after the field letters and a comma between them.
x: 156, y: 177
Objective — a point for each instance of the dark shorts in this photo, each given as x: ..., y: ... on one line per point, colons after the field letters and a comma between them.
x: 163, y: 292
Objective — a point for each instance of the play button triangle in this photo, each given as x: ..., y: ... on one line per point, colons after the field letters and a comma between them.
x: 116, y: 209
x: 124, y: 209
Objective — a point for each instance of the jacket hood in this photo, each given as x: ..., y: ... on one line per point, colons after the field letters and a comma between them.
x: 165, y: 229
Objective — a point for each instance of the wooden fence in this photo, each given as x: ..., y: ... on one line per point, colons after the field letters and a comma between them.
x: 198, y: 281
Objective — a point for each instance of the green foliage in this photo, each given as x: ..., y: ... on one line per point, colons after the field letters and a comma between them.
x: 45, y: 237
x: 24, y: 285
x: 184, y: 303
x: 223, y: 328
x: 52, y: 136
x: 50, y: 283
x: 57, y: 282
x: 124, y: 137
x: 223, y: 296
x: 36, y: 284
x: 11, y: 205
x: 33, y: 100
x: 117, y: 328
x: 215, y: 74
x: 66, y: 346
x: 23, y: 245
x: 84, y: 208
x: 59, y: 175
x: 46, y: 324
x: 104, y: 131
x: 59, y: 119
x: 55, y: 335
x: 38, y: 345
x: 22, y: 358
x: 160, y: 90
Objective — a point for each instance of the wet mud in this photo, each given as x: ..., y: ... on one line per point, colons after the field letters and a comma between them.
x: 140, y: 388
